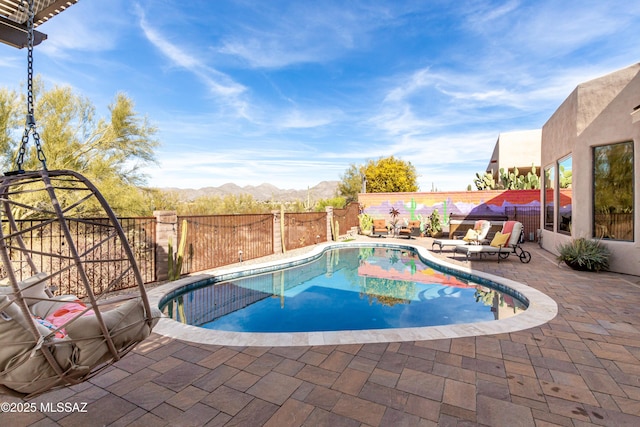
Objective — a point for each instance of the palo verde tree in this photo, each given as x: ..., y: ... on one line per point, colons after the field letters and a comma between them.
x: 108, y: 151
x: 390, y: 175
x: 384, y: 175
x: 351, y: 183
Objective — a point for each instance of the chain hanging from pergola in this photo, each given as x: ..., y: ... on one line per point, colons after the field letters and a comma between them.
x: 30, y: 122
x: 59, y: 322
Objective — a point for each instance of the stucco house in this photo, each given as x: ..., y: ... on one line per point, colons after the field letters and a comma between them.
x: 519, y: 149
x: 588, y: 155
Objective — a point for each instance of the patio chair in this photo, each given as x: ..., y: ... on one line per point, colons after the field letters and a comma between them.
x: 411, y: 229
x: 503, y: 244
x: 475, y: 236
x: 379, y: 226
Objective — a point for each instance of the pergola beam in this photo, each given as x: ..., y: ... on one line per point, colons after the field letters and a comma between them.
x: 13, y: 17
x: 15, y: 34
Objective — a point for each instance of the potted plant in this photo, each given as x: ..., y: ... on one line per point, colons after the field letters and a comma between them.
x: 584, y: 254
x: 366, y: 224
x: 434, y: 223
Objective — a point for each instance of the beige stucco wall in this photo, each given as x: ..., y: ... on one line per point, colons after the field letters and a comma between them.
x: 520, y: 149
x: 597, y: 112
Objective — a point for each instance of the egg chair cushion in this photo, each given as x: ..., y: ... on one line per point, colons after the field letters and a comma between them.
x: 126, y: 325
x: 21, y: 368
x: 46, y: 309
x: 31, y: 290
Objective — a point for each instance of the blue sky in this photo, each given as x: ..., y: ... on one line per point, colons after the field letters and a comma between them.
x: 293, y: 92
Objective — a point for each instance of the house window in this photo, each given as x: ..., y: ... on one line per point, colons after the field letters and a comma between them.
x: 564, y: 195
x: 613, y: 191
x: 549, y: 185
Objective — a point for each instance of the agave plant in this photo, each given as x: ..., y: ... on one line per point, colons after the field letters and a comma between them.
x: 584, y: 254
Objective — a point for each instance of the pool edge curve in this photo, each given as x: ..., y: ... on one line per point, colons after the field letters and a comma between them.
x: 541, y: 310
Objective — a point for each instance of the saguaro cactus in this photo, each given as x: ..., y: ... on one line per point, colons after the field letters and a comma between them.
x: 411, y: 207
x: 176, y: 260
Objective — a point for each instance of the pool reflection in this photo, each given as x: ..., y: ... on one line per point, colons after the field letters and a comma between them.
x: 399, y: 289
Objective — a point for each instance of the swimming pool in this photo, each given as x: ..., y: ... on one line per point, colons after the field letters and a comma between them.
x: 540, y: 308
x: 346, y: 288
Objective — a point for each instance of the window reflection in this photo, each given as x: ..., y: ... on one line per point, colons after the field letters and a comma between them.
x: 549, y: 185
x: 613, y: 191
x: 565, y: 195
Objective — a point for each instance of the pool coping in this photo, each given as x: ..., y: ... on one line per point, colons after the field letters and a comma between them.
x: 541, y: 310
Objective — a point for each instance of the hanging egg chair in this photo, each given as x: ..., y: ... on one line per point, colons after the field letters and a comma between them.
x: 59, y: 321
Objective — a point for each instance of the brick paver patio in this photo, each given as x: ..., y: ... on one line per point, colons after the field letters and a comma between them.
x: 580, y: 369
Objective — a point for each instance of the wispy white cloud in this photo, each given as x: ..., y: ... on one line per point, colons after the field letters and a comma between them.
x: 304, y: 32
x: 12, y: 62
x: 401, y: 120
x: 449, y: 162
x: 500, y: 11
x: 476, y: 146
x: 559, y: 27
x: 242, y: 167
x: 76, y: 30
x: 219, y: 84
x: 298, y: 119
x: 464, y: 89
x: 292, y: 92
x: 411, y: 84
x: 547, y: 27
x: 483, y: 15
x: 427, y: 102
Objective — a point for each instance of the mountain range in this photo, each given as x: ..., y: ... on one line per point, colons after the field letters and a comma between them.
x: 262, y: 192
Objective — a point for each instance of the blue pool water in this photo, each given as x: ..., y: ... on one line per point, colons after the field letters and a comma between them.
x: 344, y: 289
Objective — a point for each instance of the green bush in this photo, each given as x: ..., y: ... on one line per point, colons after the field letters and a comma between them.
x: 366, y: 222
x: 584, y: 254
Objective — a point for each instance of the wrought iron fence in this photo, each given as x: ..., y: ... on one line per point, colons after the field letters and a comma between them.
x: 141, y: 234
x: 304, y: 229
x: 347, y: 217
x: 217, y: 240
x: 529, y: 216
x: 212, y: 241
x: 205, y: 304
x: 48, y: 251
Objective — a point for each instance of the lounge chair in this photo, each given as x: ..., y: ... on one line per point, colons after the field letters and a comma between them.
x: 475, y: 236
x: 503, y: 244
x: 411, y: 229
x: 415, y: 228
x: 379, y: 226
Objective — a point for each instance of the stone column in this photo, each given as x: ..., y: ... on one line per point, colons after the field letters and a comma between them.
x: 277, y: 234
x: 330, y: 236
x: 166, y: 230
